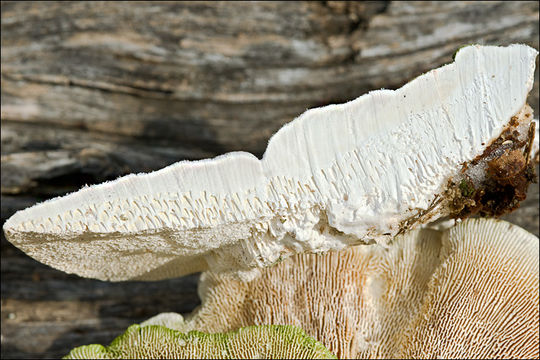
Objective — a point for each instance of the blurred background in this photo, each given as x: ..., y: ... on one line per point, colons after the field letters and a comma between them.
x: 95, y: 90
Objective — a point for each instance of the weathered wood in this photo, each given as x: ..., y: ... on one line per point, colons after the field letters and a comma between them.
x: 46, y: 312
x: 95, y: 90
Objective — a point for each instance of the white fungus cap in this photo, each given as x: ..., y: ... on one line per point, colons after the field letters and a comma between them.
x: 335, y: 176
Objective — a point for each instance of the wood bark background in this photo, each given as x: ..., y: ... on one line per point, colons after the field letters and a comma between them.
x: 95, y: 90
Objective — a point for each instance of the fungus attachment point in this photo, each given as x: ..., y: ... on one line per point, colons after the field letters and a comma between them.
x: 340, y: 175
x: 496, y: 182
x: 507, y: 166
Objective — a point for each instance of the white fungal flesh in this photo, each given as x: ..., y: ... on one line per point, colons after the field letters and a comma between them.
x: 335, y: 176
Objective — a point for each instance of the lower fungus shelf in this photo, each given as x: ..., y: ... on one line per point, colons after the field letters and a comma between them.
x: 426, y: 296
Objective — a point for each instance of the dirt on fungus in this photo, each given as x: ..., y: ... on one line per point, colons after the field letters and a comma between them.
x: 507, y: 169
x: 509, y: 172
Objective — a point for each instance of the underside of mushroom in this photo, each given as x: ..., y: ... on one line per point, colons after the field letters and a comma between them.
x: 254, y: 342
x: 471, y: 291
x: 453, y: 142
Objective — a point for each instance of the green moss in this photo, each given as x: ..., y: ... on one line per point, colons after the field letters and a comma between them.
x: 156, y: 341
x: 467, y: 189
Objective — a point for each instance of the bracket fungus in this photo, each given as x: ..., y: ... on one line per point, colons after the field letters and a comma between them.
x: 356, y: 173
x: 469, y: 291
x: 253, y: 342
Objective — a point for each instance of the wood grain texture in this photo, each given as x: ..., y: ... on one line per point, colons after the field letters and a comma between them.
x: 95, y: 90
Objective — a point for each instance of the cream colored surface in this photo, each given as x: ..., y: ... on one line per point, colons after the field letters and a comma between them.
x: 482, y: 302
x: 470, y: 291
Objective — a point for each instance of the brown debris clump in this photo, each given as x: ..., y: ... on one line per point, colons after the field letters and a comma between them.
x: 509, y: 170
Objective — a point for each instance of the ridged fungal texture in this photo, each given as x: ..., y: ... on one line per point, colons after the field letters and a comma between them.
x: 336, y: 176
x: 470, y: 291
x: 255, y: 342
x: 483, y: 300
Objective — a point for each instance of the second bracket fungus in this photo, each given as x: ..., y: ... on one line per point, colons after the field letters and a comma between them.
x: 340, y: 175
x: 467, y: 292
x: 254, y: 342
